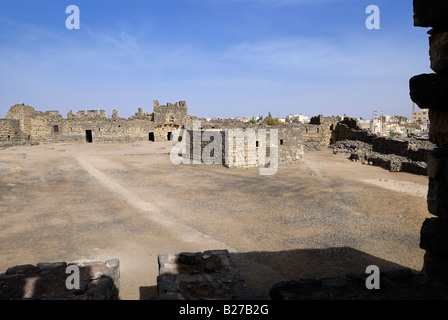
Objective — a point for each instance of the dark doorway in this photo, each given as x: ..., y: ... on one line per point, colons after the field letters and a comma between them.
x: 151, y: 136
x: 169, y: 136
x: 89, y: 138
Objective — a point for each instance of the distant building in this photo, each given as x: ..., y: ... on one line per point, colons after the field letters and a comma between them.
x: 420, y: 116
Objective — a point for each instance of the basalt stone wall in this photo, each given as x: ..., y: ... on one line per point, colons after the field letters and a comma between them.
x: 47, y: 281
x: 396, y: 155
x: 199, y: 275
x: 431, y: 91
x: 345, y: 132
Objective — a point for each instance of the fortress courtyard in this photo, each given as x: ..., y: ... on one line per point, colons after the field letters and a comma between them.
x: 326, y: 216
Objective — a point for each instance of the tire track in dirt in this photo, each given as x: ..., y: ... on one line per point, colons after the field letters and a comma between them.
x: 155, y: 214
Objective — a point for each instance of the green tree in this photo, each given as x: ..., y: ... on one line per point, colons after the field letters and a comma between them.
x: 270, y: 121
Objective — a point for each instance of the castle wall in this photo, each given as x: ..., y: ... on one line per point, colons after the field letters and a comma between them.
x: 106, y: 131
x: 9, y: 130
x: 23, y: 123
x: 171, y: 114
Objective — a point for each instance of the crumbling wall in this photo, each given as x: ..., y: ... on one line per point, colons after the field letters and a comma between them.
x: 23, y: 123
x: 171, y: 114
x: 9, y: 130
x: 406, y: 154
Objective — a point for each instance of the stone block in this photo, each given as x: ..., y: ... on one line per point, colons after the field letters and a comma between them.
x: 431, y: 13
x: 438, y: 52
x: 22, y: 269
x: 435, y: 265
x: 293, y: 287
x: 438, y: 132
x: 438, y: 198
x: 430, y: 91
x: 434, y: 237
x: 399, y: 275
x: 437, y: 163
x: 188, y: 258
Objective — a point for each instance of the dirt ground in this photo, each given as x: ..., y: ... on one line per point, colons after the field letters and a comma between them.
x: 326, y: 216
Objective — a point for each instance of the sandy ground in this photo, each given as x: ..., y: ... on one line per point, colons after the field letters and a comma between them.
x: 324, y: 217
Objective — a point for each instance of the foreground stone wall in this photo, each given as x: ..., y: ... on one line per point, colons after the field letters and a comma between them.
x: 430, y: 91
x: 47, y: 281
x: 201, y: 275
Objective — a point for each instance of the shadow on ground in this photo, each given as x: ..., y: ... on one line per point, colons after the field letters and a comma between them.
x: 321, y: 274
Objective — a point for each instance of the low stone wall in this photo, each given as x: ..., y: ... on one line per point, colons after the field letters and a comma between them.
x: 201, y: 275
x: 47, y: 281
x: 409, y: 155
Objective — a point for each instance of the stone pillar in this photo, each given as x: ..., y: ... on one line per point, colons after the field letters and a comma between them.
x: 430, y: 91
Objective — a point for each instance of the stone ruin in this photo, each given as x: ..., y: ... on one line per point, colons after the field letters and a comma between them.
x: 212, y: 275
x: 23, y: 123
x: 396, y: 155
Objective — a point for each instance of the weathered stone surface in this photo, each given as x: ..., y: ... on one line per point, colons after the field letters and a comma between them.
x: 438, y: 52
x: 437, y: 162
x: 435, y: 265
x: 212, y: 276
x: 431, y: 13
x: 438, y: 198
x: 188, y: 258
x: 22, y: 269
x: 290, y: 289
x: 399, y: 275
x: 438, y: 132
x: 430, y: 91
x: 53, y: 265
x: 210, y: 267
x: 434, y: 237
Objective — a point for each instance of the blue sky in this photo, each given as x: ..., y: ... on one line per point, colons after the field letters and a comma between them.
x: 226, y: 58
